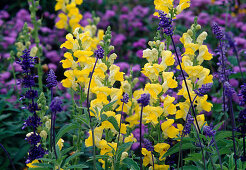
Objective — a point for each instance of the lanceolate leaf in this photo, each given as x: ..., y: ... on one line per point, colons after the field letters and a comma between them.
x: 65, y: 129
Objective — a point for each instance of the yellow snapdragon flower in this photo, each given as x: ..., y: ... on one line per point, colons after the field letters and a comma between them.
x: 161, y: 148
x: 147, y: 157
x: 168, y: 129
x: 98, y: 136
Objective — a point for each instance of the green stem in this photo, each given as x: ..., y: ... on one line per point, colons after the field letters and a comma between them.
x: 88, y: 109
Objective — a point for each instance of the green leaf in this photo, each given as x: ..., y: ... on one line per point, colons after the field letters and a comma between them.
x: 77, y: 166
x: 218, y: 126
x: 83, y: 119
x: 232, y: 60
x: 224, y: 134
x: 67, y: 150
x: 114, y: 122
x: 107, y: 107
x: 131, y: 164
x: 38, y: 168
x: 190, y: 168
x: 73, y: 156
x: 98, y: 157
x: 4, y: 116
x: 65, y: 129
x: 196, y: 157
x: 186, y: 144
x: 42, y: 165
x: 122, y: 148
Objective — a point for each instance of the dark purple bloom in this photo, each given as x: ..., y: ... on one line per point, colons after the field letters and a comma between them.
x: 35, y: 152
x: 188, y: 123
x: 31, y: 94
x: 27, y: 62
x: 33, y: 121
x: 56, y: 105
x: 208, y: 131
x: 33, y: 139
x: 144, y: 99
x: 165, y: 24
x: 125, y: 98
x: 148, y: 145
x: 28, y: 81
x: 204, y: 89
x: 33, y: 107
x: 217, y: 31
x: 242, y: 116
x: 51, y: 79
x: 229, y: 90
x: 99, y: 53
x: 243, y: 94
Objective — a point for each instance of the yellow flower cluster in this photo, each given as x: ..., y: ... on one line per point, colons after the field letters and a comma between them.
x: 167, y: 5
x: 194, y: 55
x: 70, y: 15
x: 78, y: 60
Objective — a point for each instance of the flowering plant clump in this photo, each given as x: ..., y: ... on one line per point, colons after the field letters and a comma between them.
x: 181, y: 107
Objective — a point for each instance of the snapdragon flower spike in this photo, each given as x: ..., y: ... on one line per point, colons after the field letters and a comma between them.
x: 165, y: 24
x: 187, y: 127
x: 144, y: 99
x: 99, y: 53
x: 51, y: 79
x: 204, y: 89
x: 217, y: 31
x: 208, y: 131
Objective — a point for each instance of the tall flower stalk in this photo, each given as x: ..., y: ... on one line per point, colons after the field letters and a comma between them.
x: 55, y: 107
x: 52, y: 82
x: 27, y: 64
x: 144, y: 101
x: 10, y: 160
x: 227, y: 89
x: 33, y: 7
x: 166, y: 25
x: 124, y: 101
x: 99, y: 53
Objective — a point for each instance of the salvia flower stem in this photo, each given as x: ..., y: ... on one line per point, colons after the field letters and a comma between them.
x: 10, y: 160
x: 233, y: 131
x: 200, y: 143
x: 182, y: 72
x: 238, y: 62
x: 230, y: 106
x: 140, y: 126
x: 181, y: 140
x: 88, y: 109
x: 218, y: 152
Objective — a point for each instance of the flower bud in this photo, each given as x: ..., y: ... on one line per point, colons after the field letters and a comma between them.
x: 123, y: 156
x: 111, y: 48
x: 48, y: 124
x: 43, y: 134
x: 198, y: 27
x: 33, y: 51
x: 190, y: 32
